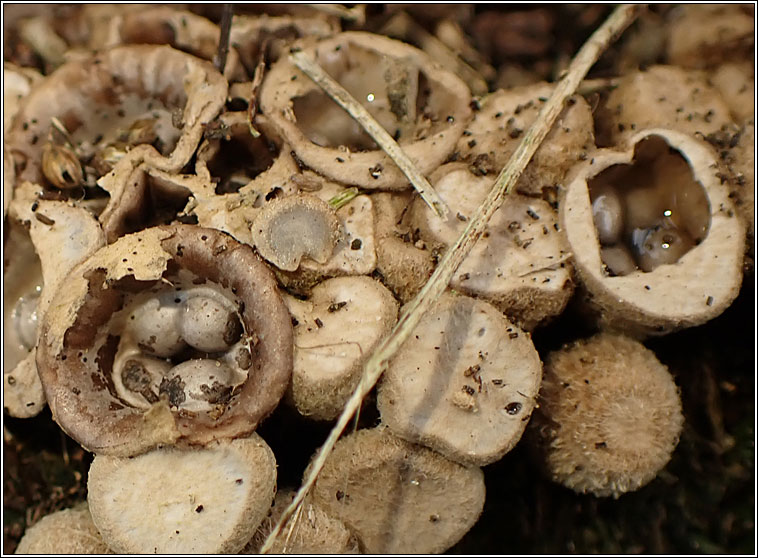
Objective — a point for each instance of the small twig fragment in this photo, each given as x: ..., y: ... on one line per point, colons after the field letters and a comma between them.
x: 223, y: 42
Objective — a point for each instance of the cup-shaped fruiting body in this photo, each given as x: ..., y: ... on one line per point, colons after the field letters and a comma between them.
x: 687, y: 284
x: 206, y: 500
x: 354, y: 251
x: 69, y: 531
x: 164, y: 25
x: 293, y: 228
x: 46, y: 238
x: 464, y: 384
x: 103, y: 343
x: 267, y: 37
x: 398, y: 497
x: 740, y: 159
x: 520, y: 262
x: 421, y: 104
x: 609, y: 416
x: 497, y: 128
x: 661, y: 97
x: 336, y: 329
x: 120, y: 107
x: 702, y: 36
x: 405, y: 265
x: 316, y: 532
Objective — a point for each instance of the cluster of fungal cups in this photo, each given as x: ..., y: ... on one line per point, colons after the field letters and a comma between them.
x: 196, y: 267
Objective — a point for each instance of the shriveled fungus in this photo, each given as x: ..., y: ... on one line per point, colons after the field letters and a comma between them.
x: 609, y: 416
x: 464, y: 384
x: 206, y: 500
x: 336, y: 329
x: 398, y: 498
x: 678, y: 262
x: 423, y: 105
x: 116, y: 377
x: 119, y: 108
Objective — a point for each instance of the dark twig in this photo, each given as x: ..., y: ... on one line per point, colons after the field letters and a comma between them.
x: 223, y: 42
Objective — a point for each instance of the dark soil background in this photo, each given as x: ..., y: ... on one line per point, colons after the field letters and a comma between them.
x: 704, y: 500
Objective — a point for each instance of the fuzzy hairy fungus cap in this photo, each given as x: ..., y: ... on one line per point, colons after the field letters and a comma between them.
x: 338, y: 327
x: 520, y: 264
x: 69, y: 531
x: 464, y: 384
x: 661, y: 97
x: 497, y: 128
x: 609, y: 417
x: 317, y: 532
x: 384, y: 75
x: 206, y: 500
x: 108, y: 382
x: 683, y: 229
x: 155, y: 97
x: 398, y: 497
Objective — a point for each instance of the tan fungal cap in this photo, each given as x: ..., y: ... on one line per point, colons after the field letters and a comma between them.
x: 399, y: 498
x: 609, y: 416
x: 173, y: 334
x: 383, y: 75
x: 336, y: 329
x: 316, y: 533
x: 295, y: 227
x: 194, y: 501
x: 69, y: 531
x: 661, y: 97
x: 498, y: 127
x: 405, y: 265
x: 464, y: 384
x: 681, y: 258
x: 519, y: 264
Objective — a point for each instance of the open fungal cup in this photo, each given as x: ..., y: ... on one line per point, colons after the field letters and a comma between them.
x: 293, y: 228
x: 654, y: 236
x: 424, y: 106
x: 464, y: 384
x: 336, y: 329
x: 609, y: 416
x: 205, y: 500
x: 120, y: 107
x: 173, y: 335
x: 398, y: 497
x: 45, y: 239
x: 520, y: 262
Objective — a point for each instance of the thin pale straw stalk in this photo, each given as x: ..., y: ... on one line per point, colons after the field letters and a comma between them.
x: 619, y: 20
